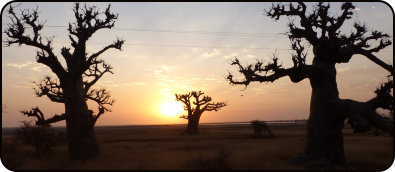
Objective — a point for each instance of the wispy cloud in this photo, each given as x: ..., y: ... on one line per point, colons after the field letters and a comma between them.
x: 167, y: 68
x: 32, y: 65
x: 343, y: 69
x: 37, y: 68
x: 214, y: 52
x: 357, y: 9
x: 19, y: 65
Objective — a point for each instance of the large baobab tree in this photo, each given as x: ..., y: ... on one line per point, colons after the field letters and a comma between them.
x: 74, y: 84
x: 195, y: 104
x: 324, y: 144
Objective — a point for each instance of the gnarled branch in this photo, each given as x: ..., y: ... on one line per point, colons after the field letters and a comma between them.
x: 51, y: 89
x: 278, y: 10
x: 272, y: 70
x: 96, y: 70
x: 215, y: 106
x: 89, y: 21
x: 362, y: 115
x: 94, y: 118
x: 93, y: 58
x: 17, y: 33
x: 102, y: 97
x: 36, y: 112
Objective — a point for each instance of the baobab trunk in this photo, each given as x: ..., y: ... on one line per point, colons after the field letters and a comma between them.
x: 193, y: 124
x: 324, y: 127
x: 83, y: 144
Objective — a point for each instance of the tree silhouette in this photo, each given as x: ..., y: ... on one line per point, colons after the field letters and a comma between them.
x: 259, y: 127
x: 42, y: 137
x: 328, y: 112
x: 74, y: 84
x: 195, y: 108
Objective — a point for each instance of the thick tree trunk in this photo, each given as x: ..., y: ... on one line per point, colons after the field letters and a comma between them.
x: 82, y: 141
x: 324, y: 145
x: 193, y: 124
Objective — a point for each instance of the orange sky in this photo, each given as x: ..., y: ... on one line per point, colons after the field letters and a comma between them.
x: 180, y: 47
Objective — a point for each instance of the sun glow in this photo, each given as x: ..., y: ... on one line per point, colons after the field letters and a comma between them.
x: 172, y: 109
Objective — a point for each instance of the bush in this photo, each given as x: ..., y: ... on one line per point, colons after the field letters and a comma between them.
x: 259, y: 127
x: 43, y: 138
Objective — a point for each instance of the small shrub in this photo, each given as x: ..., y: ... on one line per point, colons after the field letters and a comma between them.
x: 259, y: 127
x: 42, y: 138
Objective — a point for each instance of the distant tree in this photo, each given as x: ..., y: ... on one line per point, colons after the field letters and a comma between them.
x: 74, y: 85
x: 195, y: 108
x: 330, y: 46
x: 259, y: 127
x: 43, y: 137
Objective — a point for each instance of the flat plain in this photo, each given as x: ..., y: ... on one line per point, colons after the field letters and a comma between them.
x: 217, y: 147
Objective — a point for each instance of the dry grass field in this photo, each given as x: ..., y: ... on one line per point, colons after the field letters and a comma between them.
x: 219, y: 147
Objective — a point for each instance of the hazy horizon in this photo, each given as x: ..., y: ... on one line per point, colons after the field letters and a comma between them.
x: 173, y: 48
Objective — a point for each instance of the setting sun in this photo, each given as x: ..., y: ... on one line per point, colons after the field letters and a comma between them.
x: 172, y: 108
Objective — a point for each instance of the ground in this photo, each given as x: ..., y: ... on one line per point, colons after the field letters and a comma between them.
x: 218, y: 147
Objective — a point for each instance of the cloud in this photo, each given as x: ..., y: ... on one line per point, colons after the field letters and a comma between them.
x: 167, y: 68
x: 343, y: 69
x: 33, y: 66
x: 211, y: 53
x: 357, y: 9
x: 19, y: 66
x: 37, y: 68
x: 250, y: 56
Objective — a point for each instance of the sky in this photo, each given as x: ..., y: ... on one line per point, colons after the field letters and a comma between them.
x: 173, y: 48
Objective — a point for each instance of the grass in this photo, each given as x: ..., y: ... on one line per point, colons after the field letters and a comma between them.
x: 215, y: 148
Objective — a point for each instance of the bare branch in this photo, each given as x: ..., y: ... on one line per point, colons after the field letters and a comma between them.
x: 357, y: 43
x: 51, y: 89
x: 272, y: 70
x: 185, y: 98
x: 36, y: 112
x: 215, y: 106
x: 89, y: 21
x: 16, y: 33
x: 376, y: 60
x: 362, y: 115
x: 276, y: 11
x: 96, y: 70
x: 102, y: 97
x: 117, y: 45
x: 100, y: 112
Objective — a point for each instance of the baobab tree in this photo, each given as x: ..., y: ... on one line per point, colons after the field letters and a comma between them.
x: 195, y: 104
x: 73, y: 86
x: 324, y: 144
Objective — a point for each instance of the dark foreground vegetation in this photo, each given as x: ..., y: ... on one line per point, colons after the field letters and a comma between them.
x: 217, y: 147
